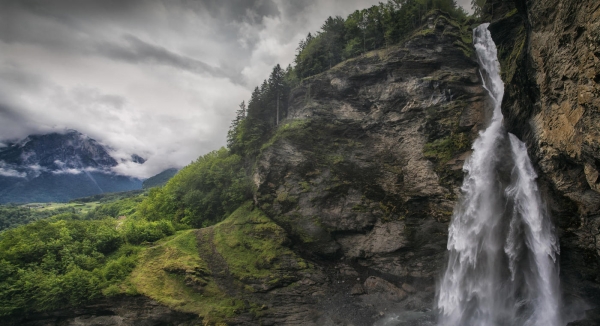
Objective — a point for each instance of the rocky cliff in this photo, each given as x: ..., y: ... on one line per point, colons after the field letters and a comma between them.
x: 365, y: 169
x: 550, y: 56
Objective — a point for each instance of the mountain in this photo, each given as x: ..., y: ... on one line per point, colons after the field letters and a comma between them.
x: 58, y: 167
x: 159, y: 179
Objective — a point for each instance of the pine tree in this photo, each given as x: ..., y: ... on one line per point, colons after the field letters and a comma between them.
x: 240, y: 115
x: 276, y: 84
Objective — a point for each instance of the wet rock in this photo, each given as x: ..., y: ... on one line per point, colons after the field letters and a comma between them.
x: 347, y: 270
x: 408, y: 288
x: 374, y: 168
x: 375, y: 284
x: 357, y: 289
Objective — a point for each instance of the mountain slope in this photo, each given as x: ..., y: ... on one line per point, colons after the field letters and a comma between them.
x: 58, y: 167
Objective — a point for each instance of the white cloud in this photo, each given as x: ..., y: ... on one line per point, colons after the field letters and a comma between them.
x: 67, y: 171
x: 9, y: 171
x: 12, y: 173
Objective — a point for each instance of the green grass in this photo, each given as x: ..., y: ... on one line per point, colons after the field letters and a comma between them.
x: 173, y: 274
x: 253, y: 245
x: 286, y: 130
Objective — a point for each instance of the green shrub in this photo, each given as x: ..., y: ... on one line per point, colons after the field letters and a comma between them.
x: 53, y: 264
x: 140, y: 231
x: 202, y: 193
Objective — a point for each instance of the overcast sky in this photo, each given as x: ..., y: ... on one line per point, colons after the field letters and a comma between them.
x: 161, y: 79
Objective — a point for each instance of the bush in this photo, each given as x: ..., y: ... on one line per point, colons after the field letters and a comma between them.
x: 51, y: 264
x: 140, y: 231
x: 202, y: 193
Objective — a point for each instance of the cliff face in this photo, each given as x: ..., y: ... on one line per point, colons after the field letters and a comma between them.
x: 550, y: 55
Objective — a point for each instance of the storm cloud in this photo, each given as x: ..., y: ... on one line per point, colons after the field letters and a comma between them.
x: 158, y: 78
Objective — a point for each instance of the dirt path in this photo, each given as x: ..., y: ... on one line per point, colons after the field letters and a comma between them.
x: 216, y: 263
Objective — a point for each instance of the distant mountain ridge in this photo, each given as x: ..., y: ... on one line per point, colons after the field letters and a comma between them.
x: 59, y: 167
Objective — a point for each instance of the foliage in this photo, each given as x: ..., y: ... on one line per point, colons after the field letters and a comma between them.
x: 141, y: 231
x: 209, y: 271
x: 202, y: 193
x: 445, y: 148
x: 52, y: 264
x: 477, y: 6
x: 94, y: 207
x: 365, y: 30
x: 14, y: 215
x: 126, y: 206
x: 107, y: 197
x: 252, y: 244
x: 267, y: 107
x: 73, y: 257
x: 68, y: 258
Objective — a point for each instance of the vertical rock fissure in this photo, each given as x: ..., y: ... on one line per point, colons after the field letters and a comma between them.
x: 502, y: 265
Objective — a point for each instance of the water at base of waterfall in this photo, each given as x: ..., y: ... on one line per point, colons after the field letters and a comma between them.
x: 502, y: 247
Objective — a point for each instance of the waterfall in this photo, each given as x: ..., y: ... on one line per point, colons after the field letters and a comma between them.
x: 502, y: 268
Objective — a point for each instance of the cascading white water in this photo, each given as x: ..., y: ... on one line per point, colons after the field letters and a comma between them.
x: 502, y: 267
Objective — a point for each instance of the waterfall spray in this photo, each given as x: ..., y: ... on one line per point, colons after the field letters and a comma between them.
x: 502, y: 267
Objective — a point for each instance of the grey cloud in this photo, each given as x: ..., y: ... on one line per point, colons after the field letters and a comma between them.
x: 20, y: 78
x: 12, y: 173
x: 139, y: 51
x: 13, y: 123
x: 252, y: 11
x: 7, y: 170
x: 239, y: 10
x: 94, y: 96
x: 8, y: 113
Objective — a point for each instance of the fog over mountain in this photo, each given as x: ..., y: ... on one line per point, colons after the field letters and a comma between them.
x: 161, y: 79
